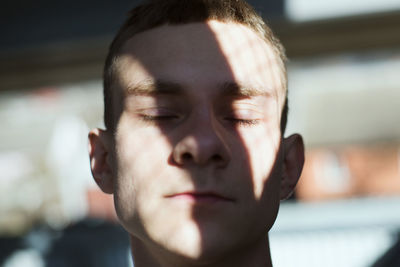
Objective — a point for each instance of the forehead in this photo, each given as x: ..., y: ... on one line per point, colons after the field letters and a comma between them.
x: 198, y: 56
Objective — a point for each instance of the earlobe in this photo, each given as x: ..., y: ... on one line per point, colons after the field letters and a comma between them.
x: 293, y: 164
x: 99, y: 148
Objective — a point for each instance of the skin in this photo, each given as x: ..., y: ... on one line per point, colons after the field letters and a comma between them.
x: 197, y: 164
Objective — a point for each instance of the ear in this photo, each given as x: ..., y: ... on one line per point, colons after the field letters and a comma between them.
x: 293, y: 161
x: 100, y: 161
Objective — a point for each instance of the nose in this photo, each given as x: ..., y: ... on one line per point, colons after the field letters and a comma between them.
x: 202, y: 143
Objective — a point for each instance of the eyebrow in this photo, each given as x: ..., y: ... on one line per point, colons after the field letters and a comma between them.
x: 160, y: 87
x: 151, y: 87
x: 241, y: 90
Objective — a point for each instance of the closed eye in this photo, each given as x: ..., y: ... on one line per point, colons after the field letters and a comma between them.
x: 243, y: 116
x: 157, y: 114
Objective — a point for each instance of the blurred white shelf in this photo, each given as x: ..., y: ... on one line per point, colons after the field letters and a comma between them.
x: 307, y: 10
x: 339, y: 214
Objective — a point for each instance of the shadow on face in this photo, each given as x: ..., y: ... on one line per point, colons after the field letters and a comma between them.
x: 198, y: 162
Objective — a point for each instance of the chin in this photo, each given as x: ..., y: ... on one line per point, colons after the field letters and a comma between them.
x: 200, y: 245
x: 190, y: 244
x: 186, y: 241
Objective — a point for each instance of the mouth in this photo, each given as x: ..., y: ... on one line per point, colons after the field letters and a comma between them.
x: 200, y: 197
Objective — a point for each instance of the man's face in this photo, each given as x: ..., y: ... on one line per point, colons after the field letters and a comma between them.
x: 197, y: 164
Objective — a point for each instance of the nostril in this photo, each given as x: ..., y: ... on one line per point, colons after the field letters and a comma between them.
x: 216, y: 158
x: 187, y: 156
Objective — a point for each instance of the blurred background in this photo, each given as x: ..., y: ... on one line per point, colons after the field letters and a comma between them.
x: 344, y: 86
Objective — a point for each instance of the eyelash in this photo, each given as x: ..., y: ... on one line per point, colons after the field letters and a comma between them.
x: 241, y: 122
x: 157, y: 118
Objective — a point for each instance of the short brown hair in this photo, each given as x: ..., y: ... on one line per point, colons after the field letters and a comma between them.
x: 154, y: 13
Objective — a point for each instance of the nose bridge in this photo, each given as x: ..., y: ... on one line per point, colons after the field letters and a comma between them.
x: 204, y: 128
x: 203, y: 123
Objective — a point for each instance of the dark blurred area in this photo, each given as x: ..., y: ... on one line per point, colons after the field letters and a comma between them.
x: 344, y: 94
x: 29, y: 24
x: 81, y: 245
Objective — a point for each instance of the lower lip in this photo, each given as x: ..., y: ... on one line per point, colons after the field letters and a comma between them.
x: 199, y: 199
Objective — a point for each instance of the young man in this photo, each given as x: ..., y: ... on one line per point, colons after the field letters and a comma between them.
x: 193, y: 151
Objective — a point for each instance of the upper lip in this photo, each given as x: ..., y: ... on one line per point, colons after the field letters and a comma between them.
x: 202, y: 194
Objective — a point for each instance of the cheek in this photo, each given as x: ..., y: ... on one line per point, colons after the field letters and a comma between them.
x: 142, y: 156
x: 141, y: 150
x: 263, y: 150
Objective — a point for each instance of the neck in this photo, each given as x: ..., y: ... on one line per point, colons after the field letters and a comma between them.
x: 255, y: 255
